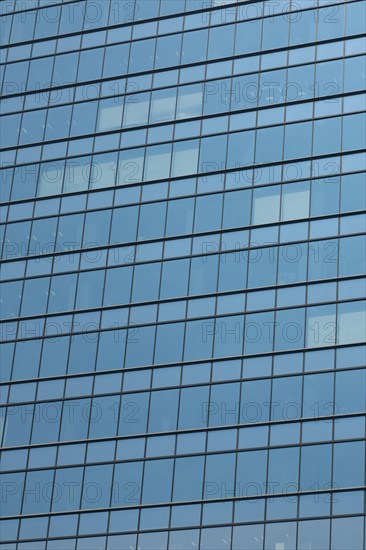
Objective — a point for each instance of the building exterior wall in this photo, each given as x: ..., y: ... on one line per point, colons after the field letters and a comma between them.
x: 183, y: 290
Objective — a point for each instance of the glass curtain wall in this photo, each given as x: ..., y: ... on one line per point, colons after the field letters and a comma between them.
x: 183, y: 280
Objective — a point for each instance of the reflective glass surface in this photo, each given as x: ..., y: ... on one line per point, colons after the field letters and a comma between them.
x: 183, y: 286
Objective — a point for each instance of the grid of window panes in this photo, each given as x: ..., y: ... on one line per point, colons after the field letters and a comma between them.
x: 183, y: 278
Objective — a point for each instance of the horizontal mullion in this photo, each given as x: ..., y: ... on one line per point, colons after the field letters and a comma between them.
x: 127, y: 94
x: 212, y: 233
x: 265, y: 423
x: 168, y: 200
x: 270, y: 354
x: 150, y: 390
x: 281, y: 163
x: 37, y: 199
x: 207, y: 8
x: 101, y: 309
x: 235, y: 450
x: 134, y: 326
x: 199, y: 501
x: 42, y: 336
x: 36, y: 8
x: 187, y: 65
x: 199, y: 136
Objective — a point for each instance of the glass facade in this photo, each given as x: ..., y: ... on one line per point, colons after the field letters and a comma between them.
x: 183, y: 277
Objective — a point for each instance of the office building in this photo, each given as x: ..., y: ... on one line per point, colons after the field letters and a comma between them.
x: 183, y: 277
